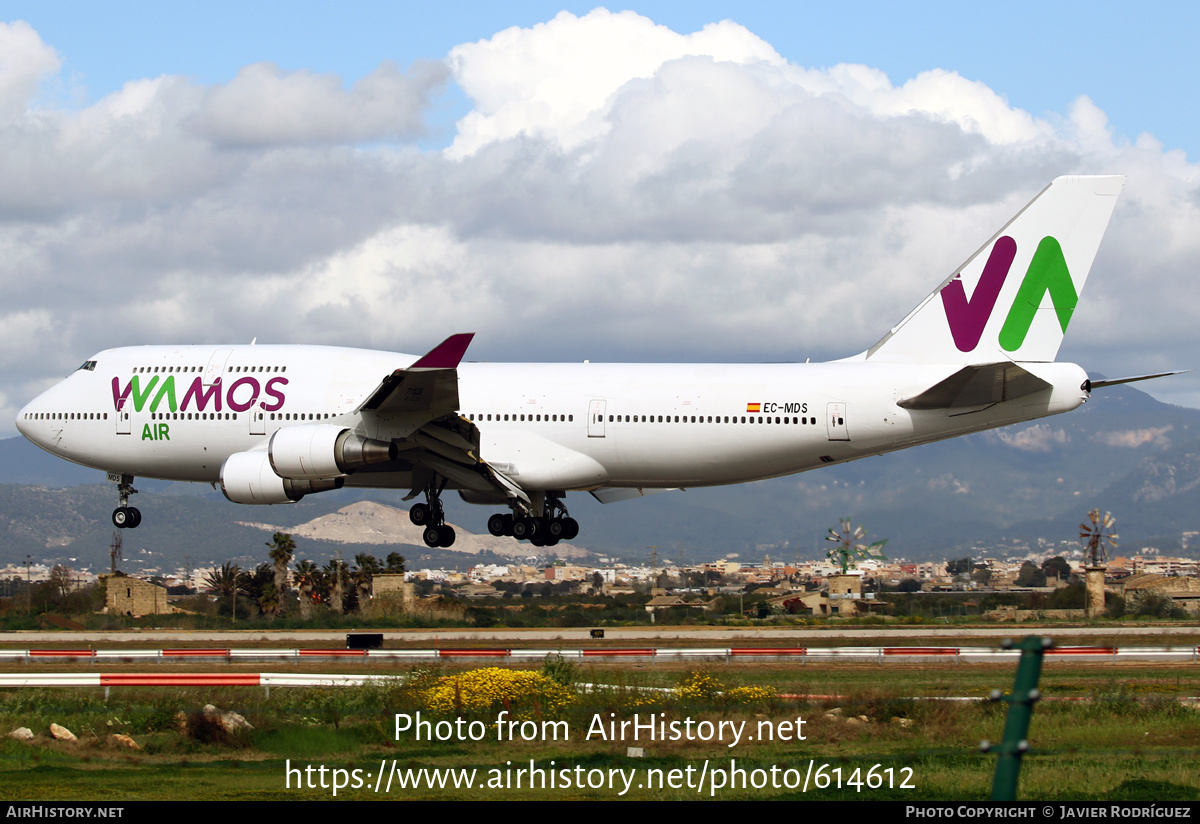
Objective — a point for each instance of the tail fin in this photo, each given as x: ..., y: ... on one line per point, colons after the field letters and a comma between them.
x: 1023, y: 284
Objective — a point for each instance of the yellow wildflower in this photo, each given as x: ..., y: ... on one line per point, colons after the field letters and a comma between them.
x: 489, y: 688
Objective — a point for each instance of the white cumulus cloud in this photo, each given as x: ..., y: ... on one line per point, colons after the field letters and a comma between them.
x: 24, y: 61
x: 618, y: 190
x: 264, y: 106
x: 553, y: 80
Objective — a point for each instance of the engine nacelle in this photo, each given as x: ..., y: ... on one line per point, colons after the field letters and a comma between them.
x: 324, y: 451
x: 247, y: 478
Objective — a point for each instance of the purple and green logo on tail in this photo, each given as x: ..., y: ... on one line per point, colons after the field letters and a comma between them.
x: 1047, y: 272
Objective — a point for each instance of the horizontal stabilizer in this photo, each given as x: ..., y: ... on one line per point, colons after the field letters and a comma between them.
x: 1100, y: 384
x: 980, y: 385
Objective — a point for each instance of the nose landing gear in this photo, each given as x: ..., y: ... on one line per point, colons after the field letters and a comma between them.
x: 125, y: 516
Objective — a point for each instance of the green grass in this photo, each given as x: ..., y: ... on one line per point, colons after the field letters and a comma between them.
x: 1130, y: 739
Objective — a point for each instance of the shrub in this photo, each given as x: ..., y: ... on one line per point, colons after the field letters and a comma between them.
x: 492, y: 688
x: 700, y: 686
x: 560, y: 670
x: 1115, y: 605
x: 1154, y: 605
x: 751, y: 695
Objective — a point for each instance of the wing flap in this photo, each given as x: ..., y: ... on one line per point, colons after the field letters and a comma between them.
x: 449, y: 446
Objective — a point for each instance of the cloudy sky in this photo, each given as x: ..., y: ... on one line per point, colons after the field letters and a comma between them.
x: 674, y: 182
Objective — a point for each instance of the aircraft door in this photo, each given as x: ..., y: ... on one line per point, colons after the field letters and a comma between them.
x: 835, y: 422
x: 258, y: 421
x: 596, y: 419
x: 123, y: 422
x: 216, y: 366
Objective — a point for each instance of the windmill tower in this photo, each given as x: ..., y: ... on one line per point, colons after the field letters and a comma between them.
x: 1097, y: 538
x: 114, y: 551
x: 846, y: 553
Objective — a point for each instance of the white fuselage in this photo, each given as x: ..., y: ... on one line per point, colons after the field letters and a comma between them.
x: 156, y: 411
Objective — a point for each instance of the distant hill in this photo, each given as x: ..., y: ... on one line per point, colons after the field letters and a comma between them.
x: 370, y: 523
x: 1122, y: 451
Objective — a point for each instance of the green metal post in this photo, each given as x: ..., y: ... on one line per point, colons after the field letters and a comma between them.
x: 1020, y: 711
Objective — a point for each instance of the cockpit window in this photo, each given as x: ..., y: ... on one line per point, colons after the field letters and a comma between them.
x: 89, y: 365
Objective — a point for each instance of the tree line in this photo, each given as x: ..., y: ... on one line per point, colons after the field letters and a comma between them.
x: 337, y: 586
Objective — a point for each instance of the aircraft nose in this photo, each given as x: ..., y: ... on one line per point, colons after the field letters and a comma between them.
x: 28, y: 421
x: 23, y: 420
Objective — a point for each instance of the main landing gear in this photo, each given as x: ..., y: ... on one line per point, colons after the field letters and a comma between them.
x: 126, y: 516
x: 430, y: 516
x: 552, y: 526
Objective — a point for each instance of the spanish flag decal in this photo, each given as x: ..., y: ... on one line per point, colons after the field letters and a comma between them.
x: 754, y: 407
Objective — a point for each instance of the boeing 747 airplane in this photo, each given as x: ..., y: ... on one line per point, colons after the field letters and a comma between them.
x: 274, y: 423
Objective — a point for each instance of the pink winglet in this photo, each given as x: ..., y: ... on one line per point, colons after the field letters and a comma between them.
x: 447, y: 354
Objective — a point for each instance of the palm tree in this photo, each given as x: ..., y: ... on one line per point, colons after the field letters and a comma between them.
x: 283, y: 548
x: 259, y: 586
x: 223, y: 582
x: 336, y: 572
x: 307, y: 577
x: 367, y: 566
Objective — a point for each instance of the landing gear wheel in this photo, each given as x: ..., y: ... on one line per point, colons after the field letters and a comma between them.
x: 570, y: 529
x: 126, y: 517
x: 445, y: 535
x: 496, y: 524
x: 432, y: 536
x: 556, y: 529
x: 524, y: 528
x: 420, y: 514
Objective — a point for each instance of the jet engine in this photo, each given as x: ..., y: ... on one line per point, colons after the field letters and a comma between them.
x: 324, y: 451
x: 247, y: 478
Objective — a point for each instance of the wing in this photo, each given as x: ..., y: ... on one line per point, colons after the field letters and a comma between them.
x: 429, y: 386
x: 423, y: 400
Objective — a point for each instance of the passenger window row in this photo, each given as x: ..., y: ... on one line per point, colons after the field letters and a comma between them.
x: 193, y: 416
x: 65, y: 416
x: 474, y: 416
x: 802, y: 421
x: 137, y: 370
